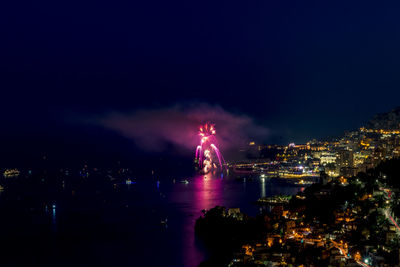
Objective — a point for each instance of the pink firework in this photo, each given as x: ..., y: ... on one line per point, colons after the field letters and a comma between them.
x: 207, y: 150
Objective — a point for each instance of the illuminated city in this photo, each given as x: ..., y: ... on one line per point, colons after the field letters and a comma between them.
x: 352, y: 179
x: 200, y: 133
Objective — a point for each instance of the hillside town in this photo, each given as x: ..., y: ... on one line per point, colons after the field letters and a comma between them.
x: 354, y: 152
x: 348, y: 218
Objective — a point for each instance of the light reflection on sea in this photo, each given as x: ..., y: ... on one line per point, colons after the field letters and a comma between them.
x: 149, y: 223
x: 186, y: 201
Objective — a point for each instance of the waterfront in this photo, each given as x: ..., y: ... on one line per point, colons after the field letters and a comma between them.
x: 186, y: 201
x: 122, y: 226
x: 181, y: 204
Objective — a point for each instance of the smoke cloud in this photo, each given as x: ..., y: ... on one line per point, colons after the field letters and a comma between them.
x: 153, y: 129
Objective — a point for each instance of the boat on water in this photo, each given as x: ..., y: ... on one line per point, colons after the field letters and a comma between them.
x: 303, y: 182
x: 164, y: 222
x: 9, y: 173
x: 129, y: 181
x: 184, y: 181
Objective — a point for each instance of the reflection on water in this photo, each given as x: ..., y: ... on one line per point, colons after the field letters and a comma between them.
x: 207, y: 191
x: 149, y: 223
x: 53, y: 219
x: 262, y: 186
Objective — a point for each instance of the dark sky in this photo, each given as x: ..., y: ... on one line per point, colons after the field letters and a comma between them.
x: 302, y: 69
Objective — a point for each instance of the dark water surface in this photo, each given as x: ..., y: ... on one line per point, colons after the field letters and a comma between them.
x: 122, y: 226
x: 182, y: 203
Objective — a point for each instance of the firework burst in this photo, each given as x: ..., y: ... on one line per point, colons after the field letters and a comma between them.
x: 207, y: 152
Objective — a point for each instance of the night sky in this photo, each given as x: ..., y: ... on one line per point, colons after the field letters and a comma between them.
x: 300, y: 69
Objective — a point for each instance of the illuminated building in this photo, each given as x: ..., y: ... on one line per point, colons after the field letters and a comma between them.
x: 327, y: 157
